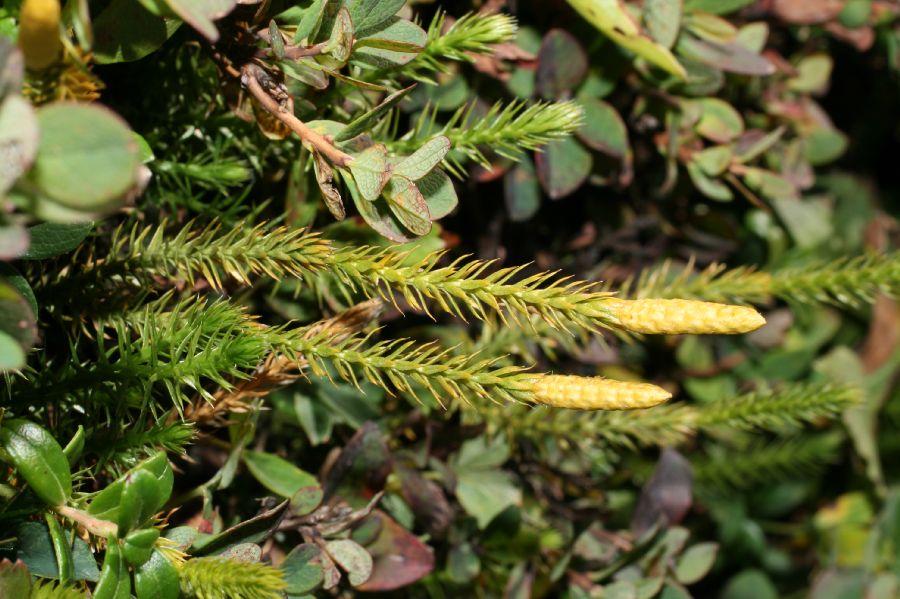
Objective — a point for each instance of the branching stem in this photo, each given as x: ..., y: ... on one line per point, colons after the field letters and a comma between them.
x: 95, y: 526
x: 250, y: 79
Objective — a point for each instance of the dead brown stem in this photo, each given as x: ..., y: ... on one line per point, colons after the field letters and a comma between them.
x: 250, y: 80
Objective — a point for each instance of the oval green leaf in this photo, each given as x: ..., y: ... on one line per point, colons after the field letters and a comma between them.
x: 87, y: 158
x: 39, y: 459
x: 277, y: 474
x: 157, y: 578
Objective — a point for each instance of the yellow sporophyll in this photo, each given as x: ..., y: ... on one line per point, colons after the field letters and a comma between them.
x: 680, y: 316
x: 595, y: 393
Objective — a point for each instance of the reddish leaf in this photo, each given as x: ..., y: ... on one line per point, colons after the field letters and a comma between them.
x: 562, y: 64
x: 400, y: 557
x: 731, y: 57
x: 361, y: 469
x: 807, y: 12
x: 666, y: 495
x: 427, y: 500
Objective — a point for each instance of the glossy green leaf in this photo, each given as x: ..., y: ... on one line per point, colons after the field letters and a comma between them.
x: 105, y: 505
x: 612, y: 18
x: 157, y: 578
x: 277, y: 474
x: 563, y: 166
x: 38, y: 458
x: 138, y: 545
x: 34, y: 548
x: 424, y: 160
x: 370, y: 171
x: 663, y: 20
x: 350, y: 556
x: 408, y: 205
x: 140, y: 498
x: 87, y: 158
x: 62, y: 551
x: 307, y: 71
x: 115, y: 581
x: 53, y: 239
x: 439, y: 193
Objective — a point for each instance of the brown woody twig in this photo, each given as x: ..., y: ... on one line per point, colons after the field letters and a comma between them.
x: 250, y: 78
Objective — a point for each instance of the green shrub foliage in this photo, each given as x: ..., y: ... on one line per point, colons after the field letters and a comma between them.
x: 320, y: 297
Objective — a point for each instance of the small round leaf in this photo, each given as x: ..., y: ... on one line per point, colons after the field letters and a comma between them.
x: 87, y: 157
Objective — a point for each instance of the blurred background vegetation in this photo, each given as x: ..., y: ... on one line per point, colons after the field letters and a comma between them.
x: 736, y: 151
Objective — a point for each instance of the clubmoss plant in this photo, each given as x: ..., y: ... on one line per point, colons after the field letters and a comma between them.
x: 221, y: 224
